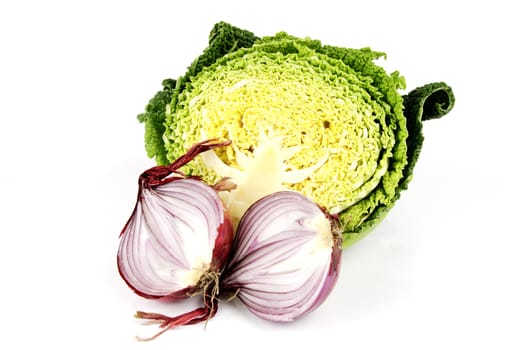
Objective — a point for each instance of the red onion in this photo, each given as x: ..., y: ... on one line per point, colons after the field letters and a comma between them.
x: 177, y: 240
x: 286, y: 257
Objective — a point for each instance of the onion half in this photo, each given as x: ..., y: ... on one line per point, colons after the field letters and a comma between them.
x: 177, y: 240
x: 178, y: 233
x: 286, y: 257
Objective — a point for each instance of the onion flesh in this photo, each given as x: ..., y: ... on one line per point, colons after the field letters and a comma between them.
x: 286, y: 257
x: 171, y: 240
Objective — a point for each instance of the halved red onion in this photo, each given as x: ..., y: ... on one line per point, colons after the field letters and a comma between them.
x: 177, y: 240
x: 178, y: 232
x: 286, y: 257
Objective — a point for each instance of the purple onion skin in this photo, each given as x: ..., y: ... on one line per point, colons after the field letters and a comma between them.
x: 223, y: 243
x: 286, y: 293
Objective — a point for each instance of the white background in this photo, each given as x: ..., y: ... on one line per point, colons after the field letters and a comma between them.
x: 443, y: 271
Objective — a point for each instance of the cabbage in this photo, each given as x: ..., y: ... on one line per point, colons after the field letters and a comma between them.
x: 321, y: 120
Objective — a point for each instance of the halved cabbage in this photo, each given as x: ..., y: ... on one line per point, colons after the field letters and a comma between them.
x: 321, y: 120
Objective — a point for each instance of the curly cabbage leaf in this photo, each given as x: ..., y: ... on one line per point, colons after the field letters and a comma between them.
x: 322, y: 120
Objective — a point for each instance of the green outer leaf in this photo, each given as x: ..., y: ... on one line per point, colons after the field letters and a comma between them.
x: 153, y: 118
x: 430, y: 101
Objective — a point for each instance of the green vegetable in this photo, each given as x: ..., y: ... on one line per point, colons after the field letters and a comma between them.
x: 322, y: 120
